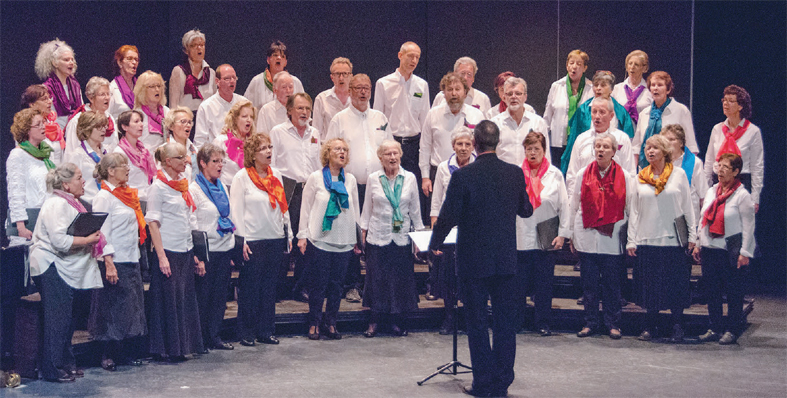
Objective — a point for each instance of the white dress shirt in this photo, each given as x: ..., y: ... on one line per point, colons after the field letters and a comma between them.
x: 87, y: 165
x: 474, y: 98
x: 51, y: 244
x: 698, y: 185
x: 270, y: 115
x: 363, y: 132
x: 377, y: 217
x: 326, y: 106
x: 251, y: 211
x: 230, y: 167
x: 342, y: 236
x: 294, y: 156
x: 192, y: 167
x: 177, y: 83
x: 120, y: 228
x: 175, y: 218
x: 116, y: 103
x: 210, y: 118
x: 510, y: 148
x: 495, y: 110
x: 152, y: 141
x: 404, y: 102
x: 738, y: 219
x: 554, y: 202
x: 643, y: 101
x: 57, y: 155
x: 583, y: 153
x: 72, y: 142
x: 653, y: 216
x: 208, y: 220
x: 137, y: 178
x: 674, y: 113
x: 556, y: 111
x: 259, y: 94
x: 590, y: 240
x: 441, y: 180
x: 752, y: 155
x: 436, y: 133
x: 25, y: 184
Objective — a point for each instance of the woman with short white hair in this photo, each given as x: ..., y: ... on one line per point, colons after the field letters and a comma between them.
x: 97, y: 92
x: 56, y: 66
x: 149, y: 99
x: 194, y: 80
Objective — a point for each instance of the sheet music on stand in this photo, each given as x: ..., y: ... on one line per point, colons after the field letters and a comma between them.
x: 421, y: 239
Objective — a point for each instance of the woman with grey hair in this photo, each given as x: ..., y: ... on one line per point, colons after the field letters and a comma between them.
x: 391, y: 208
x: 60, y: 264
x: 194, y: 80
x: 117, y: 311
x: 97, y: 92
x: 661, y: 227
x: 56, y: 66
x: 177, y: 126
x: 91, y: 131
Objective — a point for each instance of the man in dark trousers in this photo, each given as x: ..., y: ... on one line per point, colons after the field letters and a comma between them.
x: 483, y: 199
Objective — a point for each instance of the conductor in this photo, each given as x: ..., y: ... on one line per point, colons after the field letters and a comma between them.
x: 483, y: 199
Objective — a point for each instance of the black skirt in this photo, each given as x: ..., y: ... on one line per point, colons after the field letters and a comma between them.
x: 390, y: 279
x: 117, y: 311
x: 663, y: 276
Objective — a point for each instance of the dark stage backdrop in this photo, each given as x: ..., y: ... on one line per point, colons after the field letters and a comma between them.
x: 742, y: 43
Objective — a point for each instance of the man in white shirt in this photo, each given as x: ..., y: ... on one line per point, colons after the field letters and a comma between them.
x: 212, y: 111
x: 363, y: 129
x: 275, y: 112
x: 404, y: 99
x: 329, y: 102
x: 260, y: 90
x: 467, y: 68
x: 515, y: 123
x: 441, y: 121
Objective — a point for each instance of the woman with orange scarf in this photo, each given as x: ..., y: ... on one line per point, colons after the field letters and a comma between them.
x: 118, y: 310
x: 600, y: 208
x: 173, y: 322
x: 258, y: 208
x: 661, y: 227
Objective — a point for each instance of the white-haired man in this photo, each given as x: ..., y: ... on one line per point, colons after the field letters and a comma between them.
x: 467, y: 68
x: 275, y: 112
x: 515, y: 123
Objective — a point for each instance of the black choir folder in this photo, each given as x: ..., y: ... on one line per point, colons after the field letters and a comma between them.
x: 201, y: 246
x: 85, y: 224
x: 547, y: 231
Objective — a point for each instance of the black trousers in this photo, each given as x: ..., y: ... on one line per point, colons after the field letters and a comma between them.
x: 536, y: 269
x: 295, y: 256
x: 556, y: 153
x: 326, y: 273
x: 12, y: 288
x: 353, y: 278
x: 722, y: 275
x: 257, y: 288
x: 57, y: 298
x: 493, y: 366
x: 410, y: 151
x: 601, y: 270
x: 212, y: 296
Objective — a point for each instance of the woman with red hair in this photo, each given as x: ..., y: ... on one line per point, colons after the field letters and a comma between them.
x: 121, y: 89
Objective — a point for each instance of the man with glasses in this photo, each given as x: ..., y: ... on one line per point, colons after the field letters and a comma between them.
x: 212, y: 111
x: 516, y: 122
x: 329, y: 102
x: 466, y: 67
x: 260, y: 90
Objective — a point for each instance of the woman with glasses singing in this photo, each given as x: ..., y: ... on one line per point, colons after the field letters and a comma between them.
x: 149, y: 99
x: 194, y: 80
x: 177, y: 125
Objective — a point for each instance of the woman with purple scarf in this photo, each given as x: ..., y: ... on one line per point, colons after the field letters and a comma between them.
x: 194, y: 80
x: 56, y: 66
x: 633, y: 92
x: 121, y: 89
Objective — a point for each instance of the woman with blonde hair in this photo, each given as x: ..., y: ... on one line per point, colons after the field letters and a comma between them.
x: 632, y: 92
x: 149, y: 99
x: 177, y: 126
x: 91, y: 131
x: 56, y: 66
x: 238, y: 125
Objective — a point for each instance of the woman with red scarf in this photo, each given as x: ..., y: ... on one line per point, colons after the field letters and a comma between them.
x: 56, y: 66
x: 547, y: 192
x: 194, y: 80
x: 122, y: 86
x: 727, y: 244
x: 258, y: 207
x: 600, y: 209
x: 662, y: 226
x: 238, y: 125
x: 173, y: 322
x: 149, y: 99
x: 37, y: 97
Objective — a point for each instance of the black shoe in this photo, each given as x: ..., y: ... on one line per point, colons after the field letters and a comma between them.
x: 301, y: 296
x: 221, y: 345
x: 476, y: 393
x: 397, y: 331
x: 585, y: 332
x: 204, y: 350
x: 247, y: 342
x: 614, y: 334
x: 65, y: 377
x: 545, y: 331
x: 581, y: 300
x: 315, y: 335
x: 108, y: 365
x: 268, y: 340
x: 710, y: 335
x: 728, y: 338
x: 430, y: 297
x: 77, y: 373
x: 135, y: 362
x: 646, y: 335
x: 332, y: 335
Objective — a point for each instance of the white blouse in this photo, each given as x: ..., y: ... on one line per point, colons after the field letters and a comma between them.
x: 120, y: 229
x: 176, y: 220
x: 208, y: 220
x: 738, y: 218
x: 177, y: 83
x: 436, y: 133
x: 25, y: 183
x: 152, y: 141
x: 116, y: 103
x: 72, y: 142
x: 674, y: 113
x: 583, y: 153
x: 326, y: 105
x: 137, y: 178
x: 554, y: 202
x: 698, y: 185
x: 474, y: 98
x: 751, y: 147
x: 57, y: 155
x: 51, y: 245
x: 192, y: 167
x: 342, y: 236
x: 441, y: 180
x: 590, y: 240
x: 251, y: 211
x: 556, y: 111
x: 271, y: 115
x: 643, y: 101
x: 87, y: 165
x: 230, y: 167
x: 653, y: 217
x: 512, y: 135
x: 377, y: 217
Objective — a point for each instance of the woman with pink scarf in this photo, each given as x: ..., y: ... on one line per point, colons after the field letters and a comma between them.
x: 238, y: 124
x: 149, y: 99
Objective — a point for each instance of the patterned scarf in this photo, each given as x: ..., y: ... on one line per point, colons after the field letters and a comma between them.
x: 715, y: 213
x: 64, y: 105
x: 533, y: 185
x: 130, y: 198
x: 218, y: 196
x: 730, y: 145
x: 98, y: 247
x: 646, y: 177
x: 339, y: 197
x: 394, y: 197
x: 41, y: 152
x: 654, y: 127
x: 603, y: 199
x: 154, y: 121
x: 192, y: 83
x: 631, y: 101
x: 271, y: 185
x: 181, y: 186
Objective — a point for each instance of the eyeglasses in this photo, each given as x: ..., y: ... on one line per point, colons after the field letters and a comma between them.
x: 38, y: 126
x: 229, y: 79
x: 726, y: 101
x: 341, y: 74
x: 362, y: 88
x: 725, y: 167
x: 340, y: 149
x: 185, y: 122
x: 181, y: 157
x: 155, y: 86
x: 130, y: 59
x: 122, y: 166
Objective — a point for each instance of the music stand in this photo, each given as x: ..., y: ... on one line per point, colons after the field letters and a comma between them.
x: 421, y: 240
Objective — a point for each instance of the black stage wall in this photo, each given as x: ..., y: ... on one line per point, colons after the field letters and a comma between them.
x: 733, y: 42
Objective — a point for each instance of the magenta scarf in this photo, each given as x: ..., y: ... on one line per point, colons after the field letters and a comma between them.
x: 154, y: 122
x: 140, y: 157
x: 98, y: 248
x: 631, y: 101
x: 192, y: 83
x: 235, y: 148
x: 64, y: 105
x: 125, y: 91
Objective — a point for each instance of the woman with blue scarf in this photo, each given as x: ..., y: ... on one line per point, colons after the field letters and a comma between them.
x: 213, y: 211
x: 690, y: 163
x: 329, y: 214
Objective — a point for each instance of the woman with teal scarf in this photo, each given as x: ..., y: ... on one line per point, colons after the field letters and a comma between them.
x: 329, y: 214
x: 391, y: 208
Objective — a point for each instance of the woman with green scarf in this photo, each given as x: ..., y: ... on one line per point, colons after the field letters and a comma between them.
x: 391, y: 208
x: 329, y: 214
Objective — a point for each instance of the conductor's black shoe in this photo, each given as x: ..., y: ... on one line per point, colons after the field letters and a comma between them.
x: 475, y: 393
x: 268, y: 340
